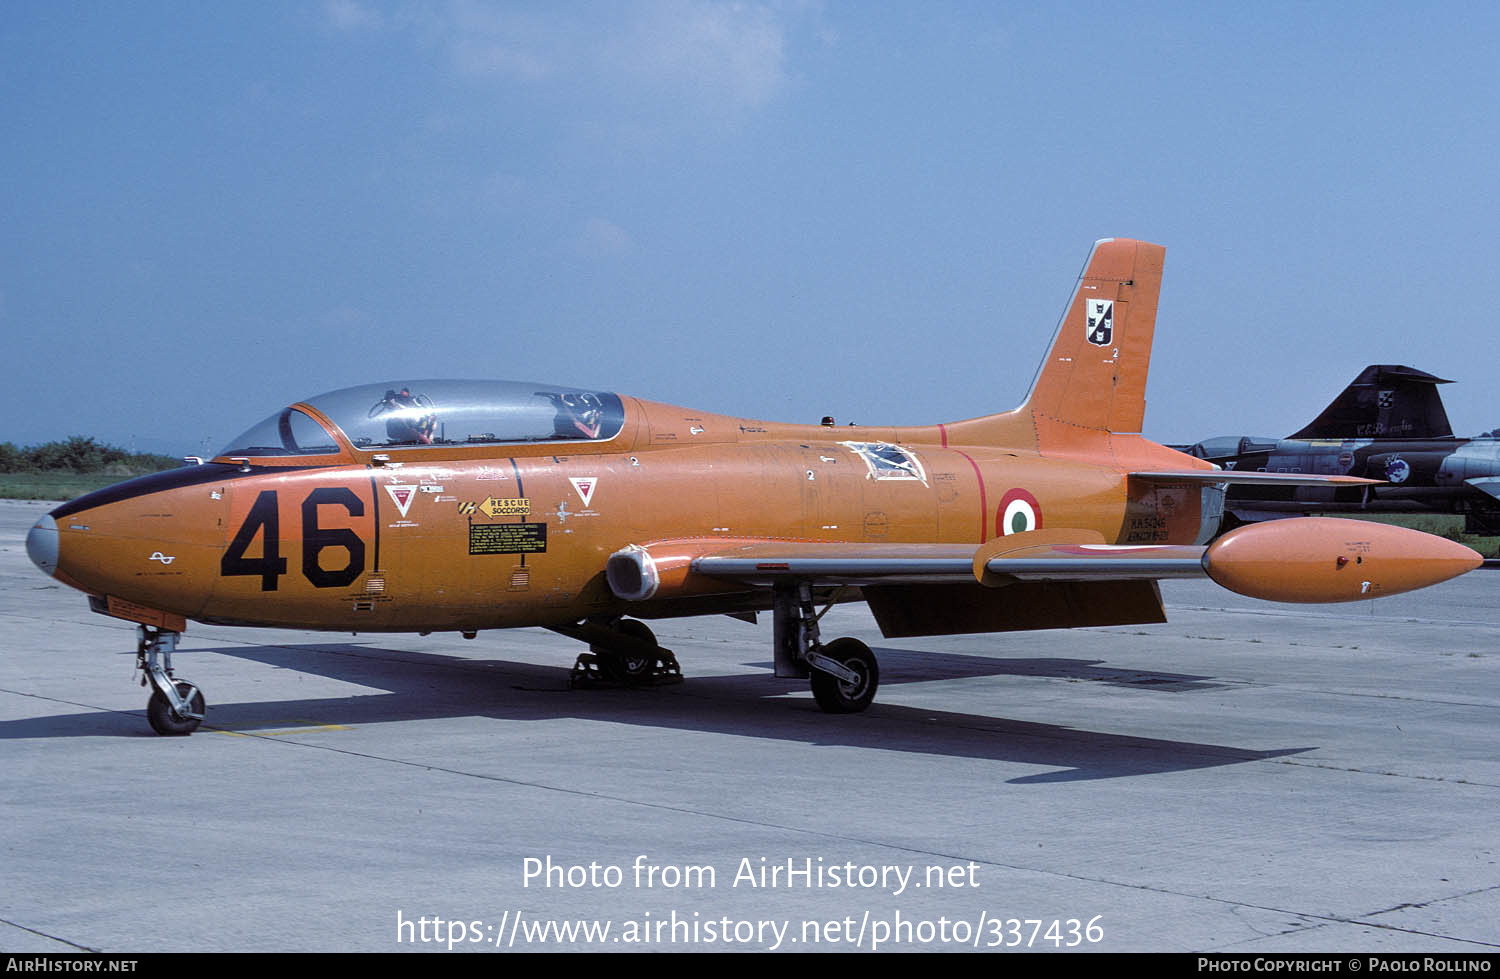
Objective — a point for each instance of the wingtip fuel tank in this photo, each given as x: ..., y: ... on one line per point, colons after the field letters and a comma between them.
x: 1326, y: 559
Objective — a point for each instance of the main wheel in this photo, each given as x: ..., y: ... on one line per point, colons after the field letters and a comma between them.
x: 628, y: 667
x: 838, y: 697
x: 163, y: 721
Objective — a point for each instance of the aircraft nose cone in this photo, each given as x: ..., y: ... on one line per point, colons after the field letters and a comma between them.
x: 41, y: 544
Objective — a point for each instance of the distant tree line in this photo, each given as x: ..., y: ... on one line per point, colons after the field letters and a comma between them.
x: 81, y: 454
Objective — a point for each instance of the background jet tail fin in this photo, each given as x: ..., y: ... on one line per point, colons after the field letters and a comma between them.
x: 1385, y: 401
x: 1093, y: 379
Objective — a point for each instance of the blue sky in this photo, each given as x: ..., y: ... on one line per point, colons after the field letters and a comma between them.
x: 780, y: 209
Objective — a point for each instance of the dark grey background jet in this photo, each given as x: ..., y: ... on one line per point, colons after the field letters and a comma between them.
x: 1389, y: 425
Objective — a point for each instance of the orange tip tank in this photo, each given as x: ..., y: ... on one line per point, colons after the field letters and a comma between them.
x: 1325, y: 559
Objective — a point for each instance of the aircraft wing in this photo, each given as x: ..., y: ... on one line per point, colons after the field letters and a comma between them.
x: 762, y: 563
x: 1041, y: 579
x: 875, y: 564
x: 1241, y: 478
x: 1308, y: 559
x: 683, y: 565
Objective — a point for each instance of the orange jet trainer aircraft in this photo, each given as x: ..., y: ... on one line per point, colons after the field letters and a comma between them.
x: 463, y: 505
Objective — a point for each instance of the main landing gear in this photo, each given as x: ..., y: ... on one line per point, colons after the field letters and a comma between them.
x: 622, y: 652
x: 176, y: 706
x: 843, y: 674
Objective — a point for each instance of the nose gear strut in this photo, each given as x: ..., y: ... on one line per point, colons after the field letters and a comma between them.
x: 176, y: 706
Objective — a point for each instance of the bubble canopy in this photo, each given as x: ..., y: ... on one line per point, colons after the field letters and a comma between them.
x: 422, y: 414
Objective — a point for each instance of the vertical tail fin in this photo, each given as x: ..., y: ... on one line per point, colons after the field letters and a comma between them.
x: 1093, y: 379
x: 1384, y: 401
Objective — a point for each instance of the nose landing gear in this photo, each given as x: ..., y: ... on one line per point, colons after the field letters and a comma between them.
x: 176, y: 707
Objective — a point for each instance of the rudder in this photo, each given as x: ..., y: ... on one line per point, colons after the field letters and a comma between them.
x: 1093, y: 380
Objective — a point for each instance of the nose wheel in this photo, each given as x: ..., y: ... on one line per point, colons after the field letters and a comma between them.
x: 176, y: 707
x: 165, y: 719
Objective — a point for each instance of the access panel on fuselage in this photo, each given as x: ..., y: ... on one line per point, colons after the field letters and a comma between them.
x: 886, y: 492
x: 508, y: 541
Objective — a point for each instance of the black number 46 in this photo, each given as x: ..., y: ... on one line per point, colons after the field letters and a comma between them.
x: 264, y: 520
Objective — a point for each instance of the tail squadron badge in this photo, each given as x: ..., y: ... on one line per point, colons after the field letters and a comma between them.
x: 1100, y: 327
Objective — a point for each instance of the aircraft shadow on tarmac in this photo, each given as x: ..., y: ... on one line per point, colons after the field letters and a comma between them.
x: 423, y: 686
x: 917, y: 666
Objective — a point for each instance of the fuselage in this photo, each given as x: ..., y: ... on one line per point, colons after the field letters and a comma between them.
x: 367, y: 533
